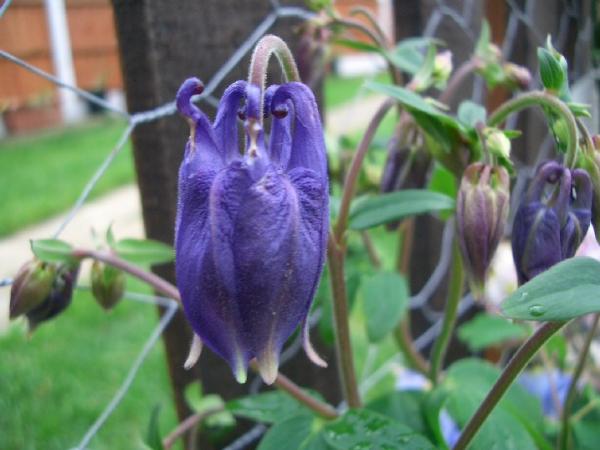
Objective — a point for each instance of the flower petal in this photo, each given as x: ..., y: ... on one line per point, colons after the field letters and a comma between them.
x: 226, y: 122
x: 278, y: 257
x: 308, y: 144
x: 204, y: 264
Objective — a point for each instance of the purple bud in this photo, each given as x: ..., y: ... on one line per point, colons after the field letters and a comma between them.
x: 108, y: 284
x: 251, y: 228
x: 481, y: 211
x: 552, y: 219
x: 30, y: 287
x: 59, y: 297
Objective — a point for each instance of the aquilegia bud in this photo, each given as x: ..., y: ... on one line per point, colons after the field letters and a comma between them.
x: 108, y: 284
x: 481, y: 211
x: 31, y: 286
x: 251, y: 228
x: 552, y: 219
x: 59, y: 297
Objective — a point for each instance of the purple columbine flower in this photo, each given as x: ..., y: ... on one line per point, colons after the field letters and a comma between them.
x: 552, y: 219
x: 251, y: 228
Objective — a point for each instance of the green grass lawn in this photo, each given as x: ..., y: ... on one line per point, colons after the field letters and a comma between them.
x: 43, y: 174
x: 55, y: 384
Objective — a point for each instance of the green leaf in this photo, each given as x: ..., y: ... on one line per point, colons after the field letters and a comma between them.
x: 364, y: 429
x: 52, y: 250
x: 153, y: 439
x: 110, y: 237
x: 404, y: 406
x: 268, y: 407
x: 390, y: 207
x: 358, y: 45
x: 565, y: 291
x: 516, y: 421
x: 486, y: 330
x: 298, y: 432
x: 144, y: 251
x: 470, y: 113
x: 550, y: 70
x: 483, y: 42
x: 385, y: 299
x: 408, y: 56
x: 442, y: 127
x: 444, y: 182
x: 200, y: 403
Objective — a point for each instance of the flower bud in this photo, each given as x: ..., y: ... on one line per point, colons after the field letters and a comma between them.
x: 552, y: 219
x: 442, y: 68
x: 497, y: 143
x: 59, y: 297
x: 481, y: 211
x: 516, y: 75
x: 591, y: 163
x: 31, y: 286
x: 108, y: 284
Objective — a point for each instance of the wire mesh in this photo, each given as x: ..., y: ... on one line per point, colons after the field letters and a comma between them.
x: 522, y: 21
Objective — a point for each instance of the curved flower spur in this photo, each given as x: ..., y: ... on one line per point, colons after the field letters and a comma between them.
x: 251, y: 228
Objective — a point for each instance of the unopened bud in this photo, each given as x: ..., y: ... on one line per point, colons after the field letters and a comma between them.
x: 442, y: 68
x: 108, y: 284
x: 30, y: 287
x: 59, y: 297
x: 497, y: 143
x: 518, y: 75
x: 552, y: 219
x: 481, y: 211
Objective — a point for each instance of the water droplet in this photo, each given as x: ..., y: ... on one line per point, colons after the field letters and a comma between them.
x: 537, y: 310
x: 524, y: 295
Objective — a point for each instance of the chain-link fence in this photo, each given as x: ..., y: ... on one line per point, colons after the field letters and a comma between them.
x: 456, y: 22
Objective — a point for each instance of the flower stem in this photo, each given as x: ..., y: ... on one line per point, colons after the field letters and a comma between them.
x: 508, y: 375
x: 455, y: 290
x: 457, y: 78
x: 321, y: 408
x: 354, y: 171
x: 189, y: 423
x: 572, y: 392
x: 371, y: 249
x: 345, y: 358
x: 268, y: 46
x: 541, y: 98
x: 158, y: 283
x: 402, y: 333
x: 404, y: 340
x: 166, y: 288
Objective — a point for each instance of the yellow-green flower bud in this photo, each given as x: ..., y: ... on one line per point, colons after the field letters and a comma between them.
x: 108, y: 284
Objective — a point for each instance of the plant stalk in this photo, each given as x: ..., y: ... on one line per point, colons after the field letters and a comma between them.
x: 508, y: 375
x: 189, y: 423
x: 166, y: 288
x: 343, y: 345
x: 540, y: 98
x: 455, y: 290
x: 354, y: 170
x: 564, y: 435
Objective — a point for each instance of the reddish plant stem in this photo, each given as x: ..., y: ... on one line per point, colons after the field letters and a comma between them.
x: 171, y: 291
x: 354, y: 171
x: 189, y: 423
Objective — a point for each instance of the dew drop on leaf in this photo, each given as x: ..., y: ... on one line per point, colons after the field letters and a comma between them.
x: 537, y: 310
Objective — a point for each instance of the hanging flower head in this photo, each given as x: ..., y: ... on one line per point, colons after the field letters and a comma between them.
x: 552, y: 219
x: 251, y: 226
